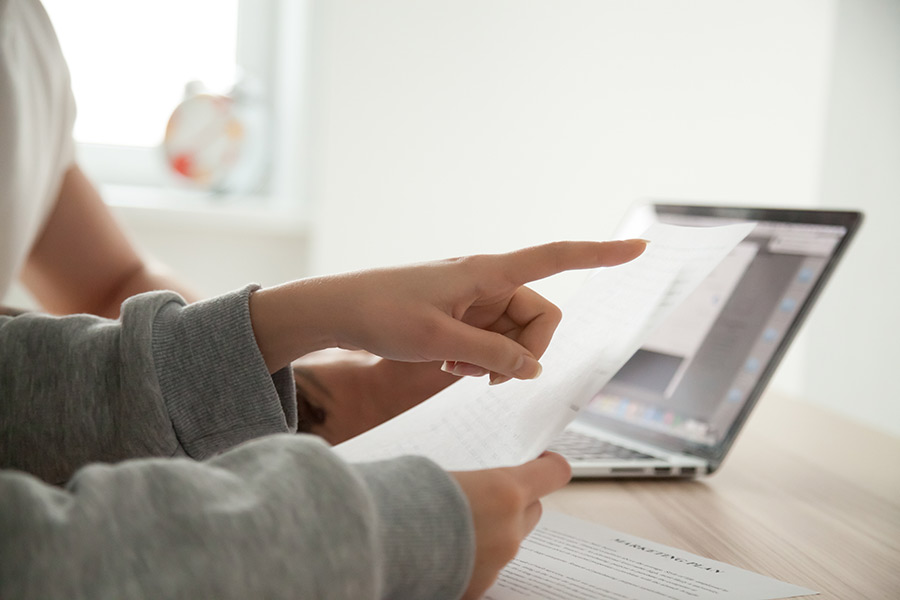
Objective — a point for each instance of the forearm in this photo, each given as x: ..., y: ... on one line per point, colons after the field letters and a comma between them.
x: 420, y: 380
x: 146, y: 277
x: 106, y: 300
x: 280, y: 517
x: 343, y: 394
x: 83, y: 262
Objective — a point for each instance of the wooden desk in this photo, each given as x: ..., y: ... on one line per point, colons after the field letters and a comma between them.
x: 805, y: 496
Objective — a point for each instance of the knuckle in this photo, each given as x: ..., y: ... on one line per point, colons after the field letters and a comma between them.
x: 473, y: 262
x: 484, y: 269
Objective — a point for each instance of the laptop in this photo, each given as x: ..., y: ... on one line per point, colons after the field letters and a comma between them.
x: 675, y: 408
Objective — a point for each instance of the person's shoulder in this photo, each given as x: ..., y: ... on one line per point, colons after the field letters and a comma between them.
x: 28, y: 19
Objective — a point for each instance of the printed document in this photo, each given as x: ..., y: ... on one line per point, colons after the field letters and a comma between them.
x: 471, y: 425
x: 570, y: 559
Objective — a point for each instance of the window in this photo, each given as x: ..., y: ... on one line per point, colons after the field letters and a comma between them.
x: 131, y: 62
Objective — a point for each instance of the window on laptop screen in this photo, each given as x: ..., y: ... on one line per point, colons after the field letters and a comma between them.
x: 695, y: 374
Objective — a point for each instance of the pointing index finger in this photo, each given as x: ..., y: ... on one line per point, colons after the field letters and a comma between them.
x: 538, y: 262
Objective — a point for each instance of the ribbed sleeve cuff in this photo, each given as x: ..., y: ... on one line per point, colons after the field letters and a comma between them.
x: 213, y: 379
x: 427, y: 539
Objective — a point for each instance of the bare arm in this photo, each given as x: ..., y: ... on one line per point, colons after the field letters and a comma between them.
x: 83, y: 262
x: 341, y: 394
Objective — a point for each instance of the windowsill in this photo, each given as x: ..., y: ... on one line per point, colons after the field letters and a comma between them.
x: 189, y: 209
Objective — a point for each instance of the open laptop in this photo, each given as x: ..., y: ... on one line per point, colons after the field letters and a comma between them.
x: 675, y: 408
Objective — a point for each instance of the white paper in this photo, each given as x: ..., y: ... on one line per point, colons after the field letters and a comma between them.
x: 471, y: 425
x: 566, y: 558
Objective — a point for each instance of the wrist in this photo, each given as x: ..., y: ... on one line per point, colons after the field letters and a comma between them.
x: 290, y: 321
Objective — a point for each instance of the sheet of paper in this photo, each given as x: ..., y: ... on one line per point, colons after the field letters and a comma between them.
x: 471, y: 425
x: 566, y: 558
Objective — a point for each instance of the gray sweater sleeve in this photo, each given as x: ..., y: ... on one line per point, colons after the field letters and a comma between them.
x: 277, y: 517
x: 167, y: 379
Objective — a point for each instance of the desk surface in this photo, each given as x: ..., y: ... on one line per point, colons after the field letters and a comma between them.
x: 804, y: 496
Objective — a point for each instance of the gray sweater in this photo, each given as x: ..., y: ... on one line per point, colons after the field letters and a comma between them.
x: 153, y: 457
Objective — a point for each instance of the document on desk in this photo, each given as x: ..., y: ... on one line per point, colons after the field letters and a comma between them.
x: 471, y: 425
x: 566, y: 558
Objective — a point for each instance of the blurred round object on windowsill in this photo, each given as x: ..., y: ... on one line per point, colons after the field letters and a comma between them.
x: 215, y: 141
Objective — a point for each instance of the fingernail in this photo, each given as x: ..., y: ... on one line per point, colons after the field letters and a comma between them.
x: 638, y: 240
x: 498, y: 379
x: 468, y: 370
x: 461, y: 369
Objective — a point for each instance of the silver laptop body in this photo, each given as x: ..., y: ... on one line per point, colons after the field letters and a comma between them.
x: 676, y: 407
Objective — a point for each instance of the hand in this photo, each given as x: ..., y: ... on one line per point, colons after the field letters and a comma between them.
x: 473, y: 310
x: 505, y: 505
x: 341, y: 394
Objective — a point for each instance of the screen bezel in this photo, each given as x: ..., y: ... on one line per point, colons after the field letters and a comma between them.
x: 715, y: 454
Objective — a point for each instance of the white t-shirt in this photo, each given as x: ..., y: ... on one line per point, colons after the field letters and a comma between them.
x: 37, y: 112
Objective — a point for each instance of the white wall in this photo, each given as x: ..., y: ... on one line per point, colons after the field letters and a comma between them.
x: 853, y: 358
x: 455, y: 126
x: 449, y: 126
x: 217, y: 254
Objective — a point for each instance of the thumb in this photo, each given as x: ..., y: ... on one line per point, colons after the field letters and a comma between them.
x: 489, y: 350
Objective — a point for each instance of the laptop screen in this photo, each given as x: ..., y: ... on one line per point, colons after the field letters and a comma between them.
x: 693, y: 383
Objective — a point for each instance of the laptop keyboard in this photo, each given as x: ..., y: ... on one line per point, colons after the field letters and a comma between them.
x: 577, y: 446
